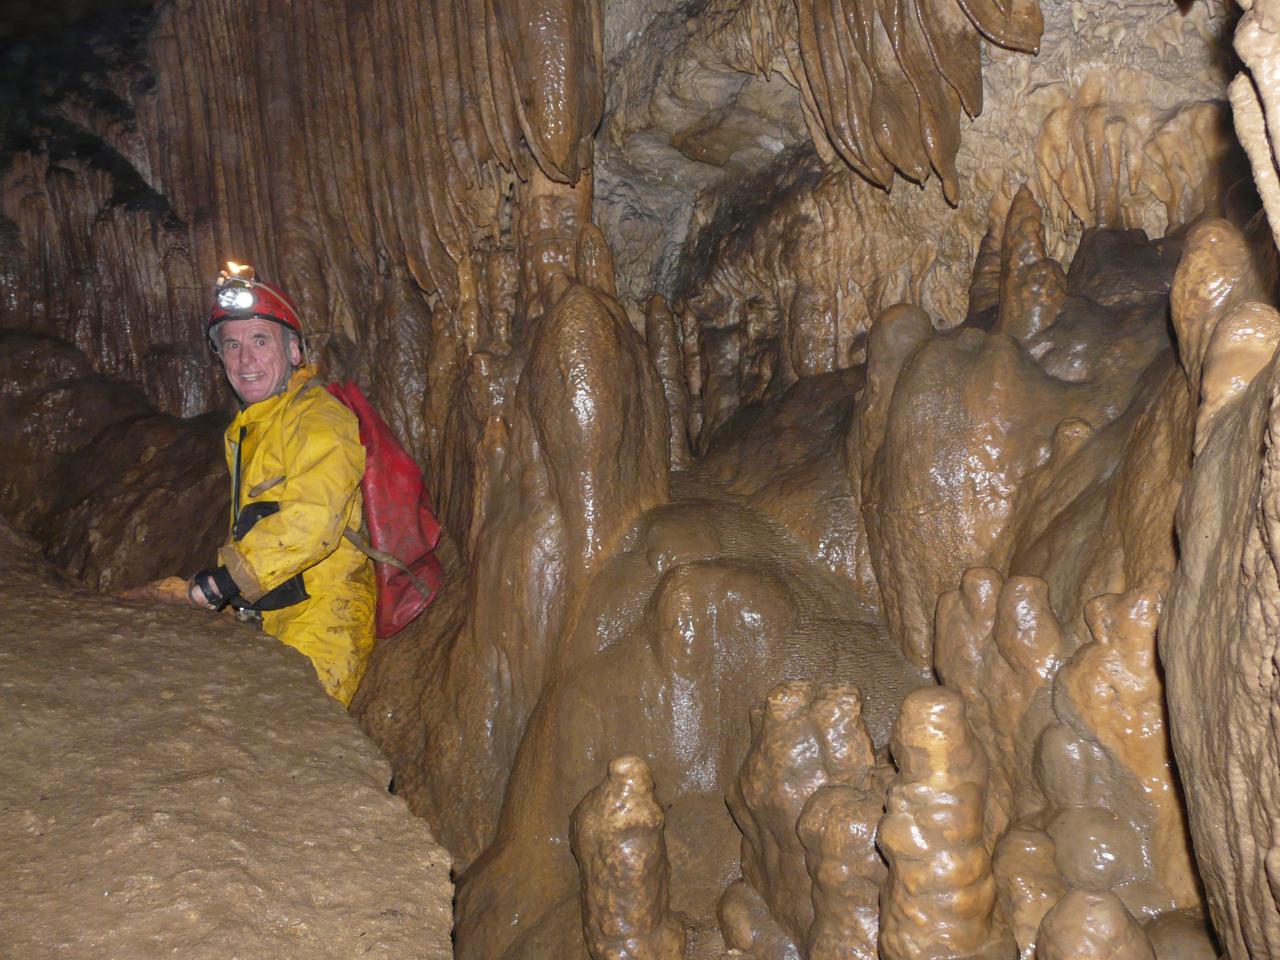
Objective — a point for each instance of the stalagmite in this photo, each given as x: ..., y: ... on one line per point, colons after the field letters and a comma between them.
x: 1217, y: 272
x: 1111, y: 691
x: 1091, y: 926
x: 837, y: 830
x: 622, y: 859
x: 804, y: 739
x: 1028, y: 883
x: 960, y: 392
x: 1032, y: 284
x: 940, y: 894
x: 999, y: 644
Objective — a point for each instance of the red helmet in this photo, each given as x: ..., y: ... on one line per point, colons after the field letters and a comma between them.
x: 244, y: 298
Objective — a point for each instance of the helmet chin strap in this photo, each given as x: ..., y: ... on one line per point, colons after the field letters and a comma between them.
x: 284, y: 381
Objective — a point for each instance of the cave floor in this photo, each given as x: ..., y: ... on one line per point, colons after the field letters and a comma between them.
x: 176, y: 785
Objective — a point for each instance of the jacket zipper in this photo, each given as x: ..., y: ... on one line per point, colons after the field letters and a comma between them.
x: 235, y: 479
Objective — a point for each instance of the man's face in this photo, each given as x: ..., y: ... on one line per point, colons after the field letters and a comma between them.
x: 256, y: 358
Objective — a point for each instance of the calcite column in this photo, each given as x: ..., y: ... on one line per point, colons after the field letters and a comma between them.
x: 617, y: 839
x: 940, y: 894
x: 797, y: 841
x: 838, y: 831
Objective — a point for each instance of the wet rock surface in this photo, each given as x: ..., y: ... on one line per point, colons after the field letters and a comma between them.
x: 117, y: 493
x: 1217, y: 646
x: 177, y: 783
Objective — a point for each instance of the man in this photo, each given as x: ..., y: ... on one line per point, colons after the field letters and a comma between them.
x: 296, y: 463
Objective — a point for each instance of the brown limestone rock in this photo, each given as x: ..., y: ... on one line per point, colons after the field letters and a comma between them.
x: 607, y: 456
x: 583, y: 453
x: 595, y: 261
x: 1218, y: 650
x: 893, y: 337
x: 939, y: 104
x: 557, y: 71
x: 662, y: 339
x: 1242, y: 343
x: 1112, y: 687
x: 554, y: 240
x: 838, y: 831
x: 955, y: 45
x: 1032, y: 284
x: 617, y: 839
x: 806, y: 489
x: 999, y: 644
x: 802, y: 738
x: 1028, y: 883
x: 748, y: 927
x: 118, y: 494
x: 1217, y: 272
x: 178, y: 784
x: 1016, y: 24
x: 971, y: 416
x: 984, y: 282
x: 1181, y: 935
x: 1086, y: 925
x: 940, y: 893
x: 676, y: 637
x: 791, y: 274
x: 856, y: 102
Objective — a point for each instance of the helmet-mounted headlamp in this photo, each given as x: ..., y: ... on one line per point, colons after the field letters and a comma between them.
x: 238, y: 296
x: 234, y: 289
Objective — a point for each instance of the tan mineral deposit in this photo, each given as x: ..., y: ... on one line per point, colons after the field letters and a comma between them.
x: 853, y: 428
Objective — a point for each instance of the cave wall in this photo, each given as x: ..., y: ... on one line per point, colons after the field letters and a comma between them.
x: 262, y: 132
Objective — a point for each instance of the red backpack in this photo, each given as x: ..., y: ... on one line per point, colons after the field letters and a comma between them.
x: 403, y: 530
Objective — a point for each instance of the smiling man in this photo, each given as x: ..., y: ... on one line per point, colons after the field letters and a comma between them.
x: 296, y: 463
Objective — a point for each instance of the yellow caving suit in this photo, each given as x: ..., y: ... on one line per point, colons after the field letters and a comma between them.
x: 300, y: 465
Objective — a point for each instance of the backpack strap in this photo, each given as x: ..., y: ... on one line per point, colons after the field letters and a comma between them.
x: 357, y: 540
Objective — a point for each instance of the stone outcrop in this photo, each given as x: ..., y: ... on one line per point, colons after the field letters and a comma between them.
x: 179, y: 783
x: 117, y: 493
x: 1215, y: 637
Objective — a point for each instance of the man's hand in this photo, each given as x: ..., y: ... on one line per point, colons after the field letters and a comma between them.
x: 196, y: 597
x: 212, y: 589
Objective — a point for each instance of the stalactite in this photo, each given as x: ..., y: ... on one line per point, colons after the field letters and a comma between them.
x: 884, y: 81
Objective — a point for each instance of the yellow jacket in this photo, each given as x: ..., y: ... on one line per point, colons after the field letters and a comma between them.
x: 298, y: 488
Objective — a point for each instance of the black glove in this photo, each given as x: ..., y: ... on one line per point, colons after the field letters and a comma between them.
x: 217, y: 586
